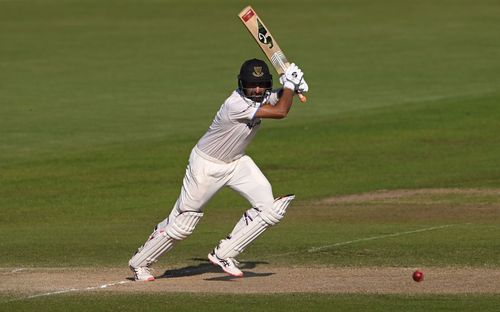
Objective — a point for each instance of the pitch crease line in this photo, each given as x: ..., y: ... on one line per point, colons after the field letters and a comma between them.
x: 315, y: 249
x: 64, y: 291
x: 15, y: 270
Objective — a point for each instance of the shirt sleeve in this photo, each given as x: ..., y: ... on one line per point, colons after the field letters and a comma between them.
x: 240, y: 110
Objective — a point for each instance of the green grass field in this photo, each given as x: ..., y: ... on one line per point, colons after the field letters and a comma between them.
x: 101, y: 102
x: 296, y: 302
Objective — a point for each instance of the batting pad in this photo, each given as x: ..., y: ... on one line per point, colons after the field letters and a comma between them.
x: 182, y: 226
x: 151, y: 250
x: 251, y: 226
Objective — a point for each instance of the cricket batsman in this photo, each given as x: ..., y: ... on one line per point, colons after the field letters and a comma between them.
x: 219, y: 159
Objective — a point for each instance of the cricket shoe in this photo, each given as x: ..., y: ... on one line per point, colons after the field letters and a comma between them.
x: 142, y: 274
x: 229, y: 265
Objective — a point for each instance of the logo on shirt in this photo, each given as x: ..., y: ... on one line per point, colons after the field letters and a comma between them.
x: 257, y: 71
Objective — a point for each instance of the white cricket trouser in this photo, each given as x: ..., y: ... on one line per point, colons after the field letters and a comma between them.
x: 206, y: 175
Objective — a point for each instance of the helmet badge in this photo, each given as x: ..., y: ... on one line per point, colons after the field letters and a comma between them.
x: 257, y: 71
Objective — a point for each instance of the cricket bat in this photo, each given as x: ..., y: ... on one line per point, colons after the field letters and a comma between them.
x: 266, y: 41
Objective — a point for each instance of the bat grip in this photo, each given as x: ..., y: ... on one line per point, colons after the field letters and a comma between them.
x: 302, y: 97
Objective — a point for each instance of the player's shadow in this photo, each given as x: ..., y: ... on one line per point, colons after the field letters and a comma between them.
x: 228, y: 278
x: 206, y: 267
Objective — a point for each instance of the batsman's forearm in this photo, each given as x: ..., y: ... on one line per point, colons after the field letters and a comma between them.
x: 278, y: 111
x: 285, y: 102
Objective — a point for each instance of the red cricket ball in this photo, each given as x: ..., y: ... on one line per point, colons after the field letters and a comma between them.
x: 418, y: 276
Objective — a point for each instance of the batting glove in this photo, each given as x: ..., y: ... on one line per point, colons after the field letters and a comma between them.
x: 292, y: 77
x: 303, y: 87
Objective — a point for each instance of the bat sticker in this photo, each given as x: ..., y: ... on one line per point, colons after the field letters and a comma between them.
x: 248, y: 15
x: 263, y: 35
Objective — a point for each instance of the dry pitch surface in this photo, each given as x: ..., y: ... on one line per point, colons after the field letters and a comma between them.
x: 23, y: 283
x: 27, y: 283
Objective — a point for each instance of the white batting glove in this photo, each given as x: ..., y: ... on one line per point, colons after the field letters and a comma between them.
x: 303, y: 87
x: 292, y: 77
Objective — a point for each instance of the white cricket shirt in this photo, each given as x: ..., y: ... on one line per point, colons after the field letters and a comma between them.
x: 233, y: 127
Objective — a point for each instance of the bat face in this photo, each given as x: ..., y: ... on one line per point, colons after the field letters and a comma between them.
x: 265, y: 40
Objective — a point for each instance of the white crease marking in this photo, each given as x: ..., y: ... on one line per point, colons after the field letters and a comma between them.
x: 16, y: 270
x: 314, y: 249
x: 64, y: 291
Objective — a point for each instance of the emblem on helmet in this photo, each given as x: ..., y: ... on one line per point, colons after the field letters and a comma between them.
x: 257, y: 71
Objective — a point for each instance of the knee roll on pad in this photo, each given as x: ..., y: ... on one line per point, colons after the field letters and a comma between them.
x: 277, y: 211
x: 247, y: 232
x: 183, y: 225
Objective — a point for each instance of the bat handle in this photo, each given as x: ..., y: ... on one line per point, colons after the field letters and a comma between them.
x: 302, y: 97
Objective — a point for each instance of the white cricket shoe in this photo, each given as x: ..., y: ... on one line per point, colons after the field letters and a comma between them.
x: 229, y: 265
x: 142, y: 274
